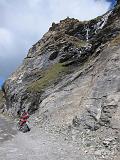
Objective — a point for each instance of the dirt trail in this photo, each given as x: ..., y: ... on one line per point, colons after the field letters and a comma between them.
x: 7, y: 129
x: 35, y: 145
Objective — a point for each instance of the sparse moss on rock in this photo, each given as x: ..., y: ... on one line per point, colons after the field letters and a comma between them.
x: 48, y: 76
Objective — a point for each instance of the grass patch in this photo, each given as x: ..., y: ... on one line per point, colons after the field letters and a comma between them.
x: 48, y: 77
x: 80, y: 43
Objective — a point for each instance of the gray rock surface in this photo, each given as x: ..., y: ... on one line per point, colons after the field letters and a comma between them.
x: 38, y: 145
x: 70, y: 81
x: 2, y: 100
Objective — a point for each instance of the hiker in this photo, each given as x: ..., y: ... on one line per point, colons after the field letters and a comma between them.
x: 24, y: 118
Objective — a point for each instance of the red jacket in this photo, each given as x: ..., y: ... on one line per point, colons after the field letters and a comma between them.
x: 24, y: 117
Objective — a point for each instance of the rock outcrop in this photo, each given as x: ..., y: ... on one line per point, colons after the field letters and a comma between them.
x: 71, y: 79
x: 2, y: 101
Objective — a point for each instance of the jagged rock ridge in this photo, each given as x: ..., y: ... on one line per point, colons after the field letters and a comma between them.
x: 71, y: 79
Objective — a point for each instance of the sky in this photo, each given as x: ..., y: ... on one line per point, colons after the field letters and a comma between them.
x: 23, y: 22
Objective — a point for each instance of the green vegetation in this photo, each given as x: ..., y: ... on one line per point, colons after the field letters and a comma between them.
x: 80, y: 43
x: 48, y: 77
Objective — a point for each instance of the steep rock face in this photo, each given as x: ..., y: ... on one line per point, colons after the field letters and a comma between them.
x: 72, y: 78
x: 61, y: 51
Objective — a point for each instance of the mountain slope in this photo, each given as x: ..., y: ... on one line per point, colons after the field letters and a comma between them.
x: 70, y: 80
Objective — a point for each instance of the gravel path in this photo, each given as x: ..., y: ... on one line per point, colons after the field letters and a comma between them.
x: 35, y: 145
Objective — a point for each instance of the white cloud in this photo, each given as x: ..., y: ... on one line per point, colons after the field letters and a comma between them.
x: 23, y: 22
x: 34, y: 3
x: 81, y: 9
x: 6, y: 38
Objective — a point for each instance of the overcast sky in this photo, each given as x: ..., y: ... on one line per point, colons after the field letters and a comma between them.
x: 23, y: 22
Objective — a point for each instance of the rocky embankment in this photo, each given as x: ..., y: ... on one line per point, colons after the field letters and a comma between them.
x: 70, y: 80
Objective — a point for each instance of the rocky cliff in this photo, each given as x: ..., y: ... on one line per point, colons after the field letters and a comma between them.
x: 2, y: 100
x: 70, y: 80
